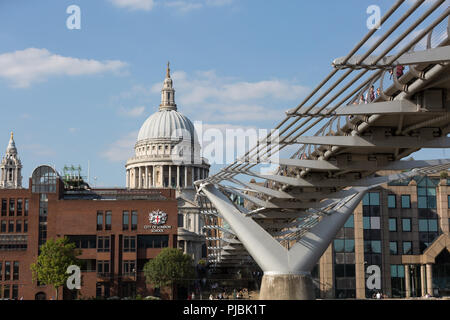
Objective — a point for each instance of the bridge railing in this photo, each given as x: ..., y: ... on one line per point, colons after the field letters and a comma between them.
x: 436, y: 37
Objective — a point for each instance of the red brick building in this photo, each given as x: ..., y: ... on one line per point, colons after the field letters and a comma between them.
x: 118, y: 231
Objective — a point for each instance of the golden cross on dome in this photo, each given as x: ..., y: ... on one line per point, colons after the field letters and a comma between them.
x: 168, y: 70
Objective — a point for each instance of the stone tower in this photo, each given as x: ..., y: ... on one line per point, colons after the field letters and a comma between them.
x: 11, y: 167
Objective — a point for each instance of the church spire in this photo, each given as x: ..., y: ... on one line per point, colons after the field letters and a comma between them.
x: 11, y: 150
x: 168, y: 70
x: 11, y: 167
x: 168, y: 93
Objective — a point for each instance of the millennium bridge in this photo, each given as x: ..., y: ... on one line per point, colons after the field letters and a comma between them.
x: 386, y: 99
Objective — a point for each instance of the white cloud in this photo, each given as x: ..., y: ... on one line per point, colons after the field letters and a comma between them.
x: 122, y: 149
x: 207, y: 86
x: 25, y: 67
x: 132, y: 112
x: 184, y: 6
x: 145, y: 5
x: 227, y: 99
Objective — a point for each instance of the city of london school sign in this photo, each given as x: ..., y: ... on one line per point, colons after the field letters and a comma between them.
x: 157, y: 221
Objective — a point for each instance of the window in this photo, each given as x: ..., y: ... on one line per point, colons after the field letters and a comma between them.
x: 44, y: 180
x: 428, y: 225
x: 392, y: 201
x: 4, y: 206
x: 344, y: 245
x: 349, y: 245
x: 7, y: 270
x: 103, y: 268
x: 134, y: 220
x: 19, y: 207
x: 393, y: 247
x: 376, y: 246
x: 26, y: 207
x: 151, y: 242
x: 15, y: 291
x: 397, y: 271
x: 1, y: 276
x: 372, y: 246
x: 103, y: 244
x: 3, y: 226
x: 11, y: 226
x: 180, y: 221
x: 406, y: 201
x: 6, y: 292
x: 16, y: 270
x: 108, y: 220
x: 339, y: 245
x: 407, y: 247
x: 83, y: 242
x: 398, y: 281
x: 12, y: 207
x: 371, y: 199
x: 98, y: 290
x: 19, y: 226
x: 371, y: 223
x: 129, y: 268
x: 426, y: 193
x: 129, y: 244
x: 406, y: 225
x: 25, y: 226
x: 350, y: 222
x: 99, y: 220
x: 125, y: 220
x: 87, y: 265
x: 345, y: 270
x: 393, y: 224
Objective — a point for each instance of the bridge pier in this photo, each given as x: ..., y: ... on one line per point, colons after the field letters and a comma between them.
x: 286, y: 287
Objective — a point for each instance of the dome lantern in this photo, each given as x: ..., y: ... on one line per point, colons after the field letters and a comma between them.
x: 168, y: 93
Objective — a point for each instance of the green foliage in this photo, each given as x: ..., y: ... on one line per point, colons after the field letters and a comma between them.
x: 170, y: 267
x: 444, y: 175
x: 51, y: 266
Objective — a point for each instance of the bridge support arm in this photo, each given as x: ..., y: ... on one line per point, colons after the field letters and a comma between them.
x: 270, y: 255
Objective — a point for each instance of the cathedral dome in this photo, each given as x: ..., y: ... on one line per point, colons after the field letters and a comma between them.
x: 167, y: 124
x: 167, y: 151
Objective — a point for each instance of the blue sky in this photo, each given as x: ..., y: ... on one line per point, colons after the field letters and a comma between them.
x: 73, y: 96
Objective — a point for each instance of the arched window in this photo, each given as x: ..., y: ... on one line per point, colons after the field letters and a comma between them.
x: 44, y: 180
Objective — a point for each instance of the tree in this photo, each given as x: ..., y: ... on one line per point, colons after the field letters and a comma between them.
x: 52, y: 263
x: 169, y: 268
